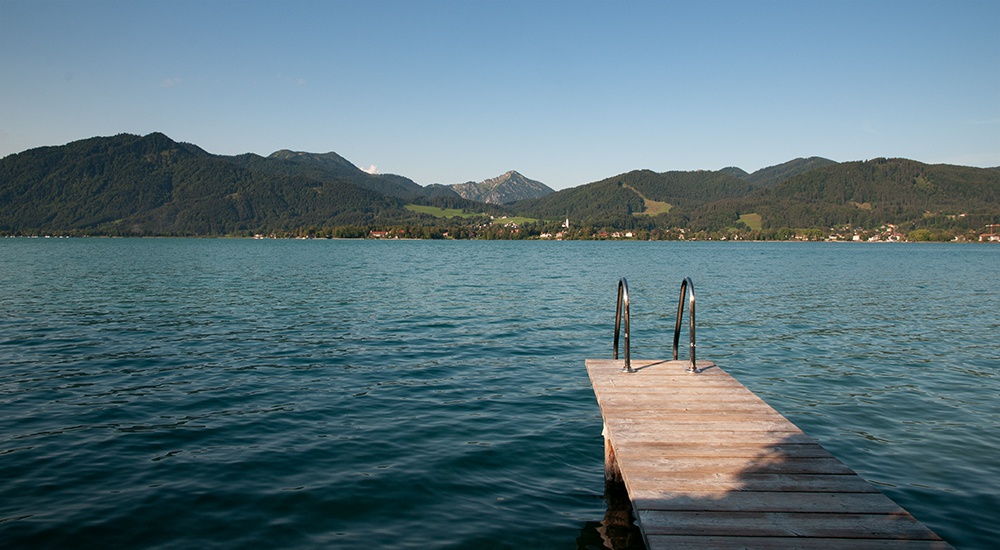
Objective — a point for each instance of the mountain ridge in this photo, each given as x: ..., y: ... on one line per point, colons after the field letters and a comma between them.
x: 151, y: 185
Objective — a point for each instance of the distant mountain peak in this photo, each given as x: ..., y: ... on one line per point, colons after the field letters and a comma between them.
x: 773, y: 175
x: 510, y: 187
x: 735, y: 171
x: 330, y: 158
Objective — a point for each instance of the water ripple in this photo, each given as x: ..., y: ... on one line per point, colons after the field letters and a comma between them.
x: 170, y: 393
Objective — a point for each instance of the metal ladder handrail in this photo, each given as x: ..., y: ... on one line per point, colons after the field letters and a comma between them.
x: 622, y: 304
x: 687, y: 287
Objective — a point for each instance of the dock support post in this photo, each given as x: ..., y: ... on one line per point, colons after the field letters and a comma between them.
x: 612, y: 474
x: 619, y: 528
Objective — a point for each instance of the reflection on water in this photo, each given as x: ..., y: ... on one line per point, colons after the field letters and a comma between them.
x: 618, y: 529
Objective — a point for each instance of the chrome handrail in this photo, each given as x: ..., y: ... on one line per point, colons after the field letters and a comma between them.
x: 623, y: 301
x: 687, y: 287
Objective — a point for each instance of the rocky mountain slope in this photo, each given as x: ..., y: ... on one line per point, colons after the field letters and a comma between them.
x: 508, y: 188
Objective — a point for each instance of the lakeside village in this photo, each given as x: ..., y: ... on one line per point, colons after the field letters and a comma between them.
x: 503, y: 229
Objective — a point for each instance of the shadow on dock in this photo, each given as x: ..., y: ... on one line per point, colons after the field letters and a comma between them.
x: 792, y: 493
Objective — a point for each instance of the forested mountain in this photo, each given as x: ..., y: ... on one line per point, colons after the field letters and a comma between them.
x: 152, y: 185
x: 683, y: 192
x: 508, y: 188
x: 877, y: 192
x: 803, y: 193
x: 601, y: 203
x: 772, y: 175
x: 329, y: 167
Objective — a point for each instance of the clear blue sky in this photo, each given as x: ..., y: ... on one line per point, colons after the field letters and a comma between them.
x: 566, y: 92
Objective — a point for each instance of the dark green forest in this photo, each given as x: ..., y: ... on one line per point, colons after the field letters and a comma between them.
x: 875, y: 193
x: 128, y: 185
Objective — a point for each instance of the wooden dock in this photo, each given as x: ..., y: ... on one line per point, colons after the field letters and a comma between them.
x: 708, y: 464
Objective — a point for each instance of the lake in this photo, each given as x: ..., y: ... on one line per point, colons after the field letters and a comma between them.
x: 179, y: 393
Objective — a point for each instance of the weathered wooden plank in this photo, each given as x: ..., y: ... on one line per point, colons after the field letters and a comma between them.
x: 679, y: 449
x: 683, y: 404
x: 753, y: 423
x: 644, y: 405
x: 708, y: 418
x: 761, y: 438
x: 709, y: 464
x: 665, y: 393
x: 735, y: 481
x: 682, y: 542
x: 774, y: 465
x: 653, y: 385
x: 706, y: 405
x: 783, y: 524
x: 749, y: 501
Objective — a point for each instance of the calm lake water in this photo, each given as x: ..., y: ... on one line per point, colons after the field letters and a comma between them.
x: 184, y: 393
